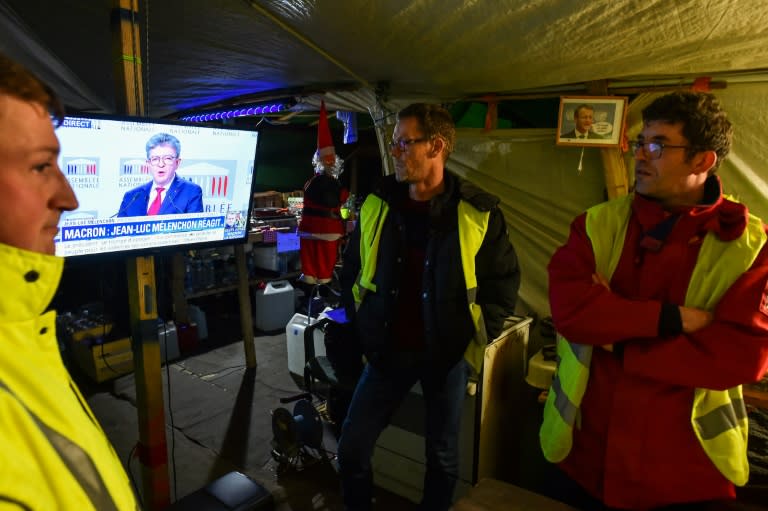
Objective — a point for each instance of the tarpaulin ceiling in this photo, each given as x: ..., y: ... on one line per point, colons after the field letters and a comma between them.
x: 197, y: 52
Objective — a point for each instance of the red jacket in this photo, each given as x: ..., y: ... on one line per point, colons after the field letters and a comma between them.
x: 636, y: 448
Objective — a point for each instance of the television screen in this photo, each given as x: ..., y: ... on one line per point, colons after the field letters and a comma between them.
x: 146, y: 184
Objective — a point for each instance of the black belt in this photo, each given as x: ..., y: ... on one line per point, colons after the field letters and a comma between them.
x: 327, y: 213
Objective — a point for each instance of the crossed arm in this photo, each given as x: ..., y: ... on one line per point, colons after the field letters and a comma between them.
x: 711, y: 349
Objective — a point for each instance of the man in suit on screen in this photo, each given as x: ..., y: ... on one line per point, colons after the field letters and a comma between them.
x: 167, y: 193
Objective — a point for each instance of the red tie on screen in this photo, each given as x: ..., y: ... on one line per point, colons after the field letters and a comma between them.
x: 155, y: 206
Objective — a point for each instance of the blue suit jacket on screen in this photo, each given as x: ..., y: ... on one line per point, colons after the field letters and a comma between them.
x: 572, y: 134
x: 183, y: 197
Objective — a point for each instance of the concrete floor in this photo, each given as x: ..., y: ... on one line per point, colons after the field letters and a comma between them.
x: 218, y: 420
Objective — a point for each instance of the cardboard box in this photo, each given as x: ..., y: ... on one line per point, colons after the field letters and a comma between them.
x: 104, y: 361
x: 490, y: 429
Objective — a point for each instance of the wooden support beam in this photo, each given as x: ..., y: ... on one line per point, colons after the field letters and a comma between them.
x: 152, y: 447
x: 756, y: 397
x: 126, y: 48
x: 244, y: 295
x: 614, y: 169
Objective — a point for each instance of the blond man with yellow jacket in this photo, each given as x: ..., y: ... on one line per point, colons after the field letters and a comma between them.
x: 54, y: 454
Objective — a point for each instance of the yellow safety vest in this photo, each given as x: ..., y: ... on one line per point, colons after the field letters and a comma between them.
x: 473, y: 225
x: 54, y: 453
x: 718, y: 417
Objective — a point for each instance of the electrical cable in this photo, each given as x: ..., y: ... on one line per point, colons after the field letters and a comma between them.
x: 104, y: 358
x: 315, y: 291
x: 130, y: 474
x: 103, y: 322
x: 168, y: 379
x: 273, y: 123
x: 170, y: 414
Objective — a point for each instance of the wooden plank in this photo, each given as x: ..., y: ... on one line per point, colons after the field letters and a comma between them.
x: 614, y: 168
x: 755, y: 397
x: 503, y: 379
x: 142, y: 292
x: 244, y: 297
x: 616, y: 182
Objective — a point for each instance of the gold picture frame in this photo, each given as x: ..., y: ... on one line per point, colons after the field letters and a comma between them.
x: 602, y: 116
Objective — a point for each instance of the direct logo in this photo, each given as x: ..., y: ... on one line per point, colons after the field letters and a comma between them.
x: 76, y: 122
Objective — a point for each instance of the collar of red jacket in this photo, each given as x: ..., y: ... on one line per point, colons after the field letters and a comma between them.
x: 723, y: 216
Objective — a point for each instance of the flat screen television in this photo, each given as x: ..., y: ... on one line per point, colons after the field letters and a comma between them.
x: 115, y: 166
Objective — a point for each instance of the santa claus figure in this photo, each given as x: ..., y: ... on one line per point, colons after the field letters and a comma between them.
x: 321, y: 226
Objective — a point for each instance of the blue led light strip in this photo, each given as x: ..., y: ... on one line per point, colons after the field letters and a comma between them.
x: 245, y: 111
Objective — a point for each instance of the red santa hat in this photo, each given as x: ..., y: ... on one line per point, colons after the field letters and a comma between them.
x: 324, y: 141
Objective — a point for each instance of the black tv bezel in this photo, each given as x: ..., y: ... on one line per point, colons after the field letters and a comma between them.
x: 169, y: 249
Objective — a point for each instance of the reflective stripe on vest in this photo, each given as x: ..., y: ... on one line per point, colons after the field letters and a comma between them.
x: 569, y: 384
x: 717, y: 417
x: 78, y: 462
x: 473, y: 225
x: 372, y: 216
x: 561, y: 410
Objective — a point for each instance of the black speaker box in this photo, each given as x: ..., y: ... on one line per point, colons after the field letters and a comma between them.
x: 230, y: 492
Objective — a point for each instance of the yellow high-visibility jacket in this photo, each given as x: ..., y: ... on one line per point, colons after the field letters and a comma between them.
x: 473, y: 225
x: 54, y: 454
x: 469, y: 281
x: 718, y: 418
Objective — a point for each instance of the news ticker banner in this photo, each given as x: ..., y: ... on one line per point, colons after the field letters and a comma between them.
x: 94, y: 236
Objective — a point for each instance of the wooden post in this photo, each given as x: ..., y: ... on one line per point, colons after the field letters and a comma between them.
x: 614, y: 169
x: 244, y: 296
x: 152, y: 447
x: 126, y: 45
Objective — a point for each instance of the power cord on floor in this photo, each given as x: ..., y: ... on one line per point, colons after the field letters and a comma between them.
x: 104, y: 323
x: 170, y: 410
x: 130, y: 474
x: 160, y: 277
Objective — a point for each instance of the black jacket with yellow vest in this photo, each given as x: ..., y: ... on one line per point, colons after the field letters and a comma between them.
x: 447, y: 320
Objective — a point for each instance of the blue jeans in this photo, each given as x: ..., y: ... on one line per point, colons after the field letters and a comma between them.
x: 378, y: 394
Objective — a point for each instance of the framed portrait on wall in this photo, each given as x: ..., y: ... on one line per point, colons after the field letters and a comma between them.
x: 591, y: 120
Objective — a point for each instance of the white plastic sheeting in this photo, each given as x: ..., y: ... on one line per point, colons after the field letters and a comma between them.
x: 201, y: 51
x: 542, y: 191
